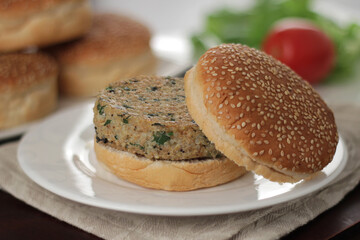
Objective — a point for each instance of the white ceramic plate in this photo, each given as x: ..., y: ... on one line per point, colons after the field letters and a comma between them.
x: 58, y: 156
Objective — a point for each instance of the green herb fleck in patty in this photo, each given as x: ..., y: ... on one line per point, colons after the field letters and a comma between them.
x: 161, y: 137
x: 108, y: 121
x: 127, y: 106
x: 126, y: 120
x: 157, y: 124
x: 152, y: 88
x: 137, y: 145
x: 100, y: 109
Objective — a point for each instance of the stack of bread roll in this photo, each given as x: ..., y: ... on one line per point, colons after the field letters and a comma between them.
x: 52, y: 46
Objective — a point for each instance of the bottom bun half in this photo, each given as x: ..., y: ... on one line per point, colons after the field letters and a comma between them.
x: 168, y: 175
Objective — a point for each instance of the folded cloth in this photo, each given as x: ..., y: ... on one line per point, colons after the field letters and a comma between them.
x: 272, y: 222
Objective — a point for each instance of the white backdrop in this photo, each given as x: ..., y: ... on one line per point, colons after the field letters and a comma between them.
x: 184, y: 17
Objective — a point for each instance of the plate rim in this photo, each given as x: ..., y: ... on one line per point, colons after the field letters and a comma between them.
x: 163, y: 211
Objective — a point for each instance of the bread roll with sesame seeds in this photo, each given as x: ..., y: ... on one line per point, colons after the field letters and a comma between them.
x: 115, y: 48
x: 28, y: 87
x: 260, y: 114
x: 26, y: 23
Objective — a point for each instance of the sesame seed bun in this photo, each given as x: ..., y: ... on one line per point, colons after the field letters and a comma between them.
x: 28, y: 87
x: 260, y: 114
x: 41, y: 22
x: 116, y: 47
x: 167, y: 175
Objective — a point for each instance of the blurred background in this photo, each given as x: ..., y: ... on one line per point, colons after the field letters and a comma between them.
x: 186, y: 17
x: 181, y: 29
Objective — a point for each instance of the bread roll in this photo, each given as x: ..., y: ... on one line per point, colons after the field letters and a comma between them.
x: 28, y: 87
x: 41, y: 22
x: 260, y: 114
x: 116, y: 47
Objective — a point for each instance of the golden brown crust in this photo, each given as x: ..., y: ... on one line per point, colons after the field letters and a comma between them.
x: 168, y: 175
x: 41, y: 23
x: 20, y: 70
x: 28, y: 87
x: 83, y: 80
x: 20, y: 8
x: 249, y: 104
x: 115, y: 48
x: 110, y: 37
x: 26, y: 105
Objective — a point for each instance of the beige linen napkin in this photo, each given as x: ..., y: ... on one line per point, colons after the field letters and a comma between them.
x: 272, y: 222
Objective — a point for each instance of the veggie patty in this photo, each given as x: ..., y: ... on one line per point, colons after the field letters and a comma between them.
x: 148, y: 116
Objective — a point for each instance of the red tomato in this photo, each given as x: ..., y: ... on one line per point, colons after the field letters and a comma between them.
x: 303, y: 47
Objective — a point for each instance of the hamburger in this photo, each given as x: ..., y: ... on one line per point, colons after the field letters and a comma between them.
x: 260, y: 114
x: 145, y: 135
